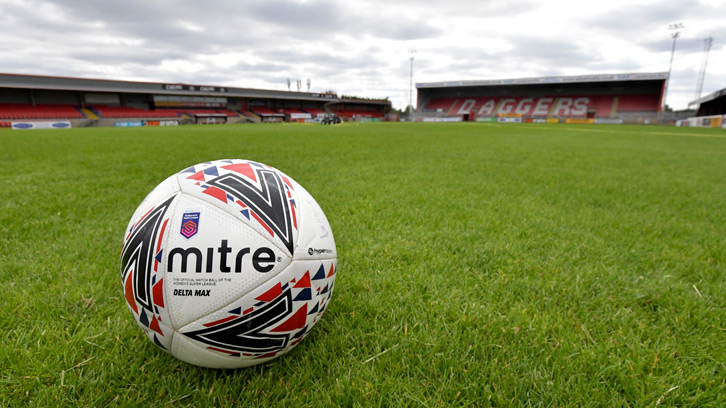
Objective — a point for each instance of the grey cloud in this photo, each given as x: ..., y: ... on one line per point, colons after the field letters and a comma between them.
x: 325, y: 64
x: 683, y: 45
x: 602, y: 66
x: 124, y: 56
x: 403, y: 31
x: 340, y: 45
x: 547, y: 55
x: 561, y: 52
x: 319, y: 20
x: 688, y: 43
x: 448, y: 8
x: 641, y: 17
x: 158, y: 22
x: 262, y: 68
x: 300, y: 18
x: 239, y: 24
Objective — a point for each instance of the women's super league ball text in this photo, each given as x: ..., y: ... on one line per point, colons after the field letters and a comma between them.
x: 228, y: 264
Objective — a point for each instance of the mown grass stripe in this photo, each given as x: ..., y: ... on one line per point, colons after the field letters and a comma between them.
x: 481, y: 265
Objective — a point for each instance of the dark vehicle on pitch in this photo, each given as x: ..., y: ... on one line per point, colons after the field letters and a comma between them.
x: 330, y: 119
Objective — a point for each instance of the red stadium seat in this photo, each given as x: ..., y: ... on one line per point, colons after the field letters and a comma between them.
x: 359, y: 114
x: 638, y: 103
x: 262, y: 110
x: 440, y: 104
x: 314, y: 111
x: 289, y: 111
x: 40, y: 111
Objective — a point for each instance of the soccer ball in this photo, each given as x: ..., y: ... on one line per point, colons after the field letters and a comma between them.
x: 228, y: 264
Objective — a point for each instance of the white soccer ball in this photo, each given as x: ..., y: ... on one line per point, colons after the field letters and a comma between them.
x: 228, y: 264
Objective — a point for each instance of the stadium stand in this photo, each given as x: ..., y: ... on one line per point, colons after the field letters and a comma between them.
x: 602, y: 106
x: 353, y: 109
x: 711, y: 104
x: 192, y: 112
x: 295, y: 115
x: 622, y: 97
x: 358, y: 114
x: 441, y: 104
x: 249, y: 115
x: 710, y: 112
x: 569, y: 106
x: 101, y: 102
x: 315, y: 112
x: 89, y: 113
x: 44, y: 111
x: 105, y: 111
x: 263, y: 111
x: 290, y: 111
x: 266, y: 114
x: 354, y: 114
x: 228, y: 112
x: 638, y: 103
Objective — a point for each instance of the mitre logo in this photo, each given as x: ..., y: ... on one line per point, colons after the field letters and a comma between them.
x: 190, y: 224
x: 224, y: 259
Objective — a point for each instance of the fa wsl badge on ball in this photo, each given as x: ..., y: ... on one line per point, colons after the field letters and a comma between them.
x: 190, y: 223
x: 228, y: 263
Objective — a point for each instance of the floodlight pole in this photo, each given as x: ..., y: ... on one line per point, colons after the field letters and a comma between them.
x: 410, y: 85
x: 702, y: 74
x: 675, y: 28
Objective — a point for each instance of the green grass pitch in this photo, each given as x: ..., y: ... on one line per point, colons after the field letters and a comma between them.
x: 479, y: 265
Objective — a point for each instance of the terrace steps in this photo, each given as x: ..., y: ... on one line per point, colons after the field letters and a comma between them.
x: 89, y: 113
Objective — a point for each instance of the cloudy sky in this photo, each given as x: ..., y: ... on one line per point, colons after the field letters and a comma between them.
x: 361, y: 47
